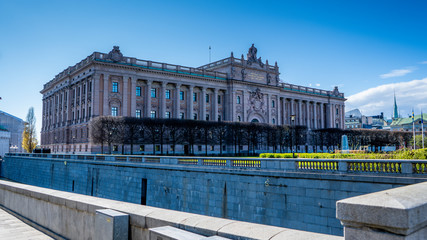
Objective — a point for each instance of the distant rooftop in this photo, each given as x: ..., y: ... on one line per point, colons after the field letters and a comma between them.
x: 10, y: 115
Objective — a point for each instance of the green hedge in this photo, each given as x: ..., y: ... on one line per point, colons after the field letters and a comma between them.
x: 400, y: 154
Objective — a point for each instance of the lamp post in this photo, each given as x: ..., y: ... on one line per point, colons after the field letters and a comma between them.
x: 292, y: 134
x: 14, y: 147
x: 74, y: 147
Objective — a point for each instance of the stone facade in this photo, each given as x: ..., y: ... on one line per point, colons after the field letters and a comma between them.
x: 231, y: 89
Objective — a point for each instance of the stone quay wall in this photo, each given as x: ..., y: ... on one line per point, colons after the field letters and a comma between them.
x: 73, y: 216
x: 292, y: 193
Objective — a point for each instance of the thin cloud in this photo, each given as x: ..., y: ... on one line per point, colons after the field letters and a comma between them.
x: 317, y: 84
x: 424, y: 62
x: 397, y: 73
x: 379, y: 99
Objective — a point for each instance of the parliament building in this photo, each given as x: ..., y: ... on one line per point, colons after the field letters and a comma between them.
x: 232, y: 89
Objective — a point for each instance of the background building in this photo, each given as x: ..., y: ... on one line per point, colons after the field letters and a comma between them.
x: 231, y: 89
x: 405, y: 124
x: 15, y: 127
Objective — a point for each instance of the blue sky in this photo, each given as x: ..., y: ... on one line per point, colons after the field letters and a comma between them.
x: 367, y: 48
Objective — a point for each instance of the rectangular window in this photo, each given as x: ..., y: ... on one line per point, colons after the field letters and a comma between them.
x: 195, y: 116
x: 153, y: 114
x: 153, y: 92
x: 212, y: 148
x: 138, y: 91
x: 141, y: 148
x: 89, y: 113
x: 219, y: 118
x: 167, y: 114
x: 219, y: 99
x: 84, y: 88
x: 157, y: 148
x: 337, y: 111
x: 181, y: 115
x: 194, y: 97
x: 238, y: 100
x: 90, y: 86
x: 138, y: 113
x: 207, y: 117
x: 207, y: 98
x: 273, y: 103
x: 115, y: 87
x: 181, y: 95
x: 168, y: 94
x: 114, y: 111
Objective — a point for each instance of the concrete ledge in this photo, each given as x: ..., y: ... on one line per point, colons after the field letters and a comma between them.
x: 73, y: 216
x: 390, y: 214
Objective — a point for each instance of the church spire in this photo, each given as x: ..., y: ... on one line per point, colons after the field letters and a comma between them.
x: 395, y: 113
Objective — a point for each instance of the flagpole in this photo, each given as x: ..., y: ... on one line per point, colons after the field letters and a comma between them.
x: 422, y: 128
x: 413, y: 129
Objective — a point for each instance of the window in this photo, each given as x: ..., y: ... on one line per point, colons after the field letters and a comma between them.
x: 114, y: 111
x: 207, y: 117
x: 199, y: 148
x: 207, y: 98
x: 168, y: 94
x: 219, y: 99
x: 337, y: 111
x: 219, y: 118
x: 153, y: 114
x: 153, y: 92
x: 181, y: 115
x: 115, y: 148
x: 274, y: 121
x: 141, y: 148
x: 138, y: 113
x: 84, y: 88
x: 138, y: 91
x: 89, y: 112
x: 115, y: 87
x: 167, y: 114
x: 212, y: 148
x: 195, y: 116
x: 194, y: 97
x: 90, y: 86
x: 157, y: 148
x: 181, y: 95
x: 239, y: 119
x: 238, y: 99
x: 273, y: 103
x: 78, y: 114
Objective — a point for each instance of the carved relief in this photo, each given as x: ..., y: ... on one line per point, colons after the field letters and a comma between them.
x: 256, y: 102
x: 115, y: 55
x: 243, y: 74
x: 268, y: 78
x: 252, y: 56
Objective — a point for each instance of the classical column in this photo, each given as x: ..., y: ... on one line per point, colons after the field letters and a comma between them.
x: 215, y: 105
x: 203, y: 105
x: 106, y: 111
x: 322, y: 115
x: 125, y: 95
x: 162, y: 97
x: 243, y: 103
x: 190, y: 102
x: 300, y: 112
x: 315, y: 114
x: 177, y: 100
x: 343, y: 117
x: 292, y: 101
x: 96, y: 96
x: 332, y: 115
x: 279, y: 110
x: 232, y: 109
x: 268, y: 108
x: 308, y: 114
x: 148, y: 99
x: 133, y: 96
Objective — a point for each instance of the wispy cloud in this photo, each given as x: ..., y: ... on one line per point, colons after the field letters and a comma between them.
x: 423, y: 62
x: 409, y: 95
x: 317, y: 84
x: 397, y: 73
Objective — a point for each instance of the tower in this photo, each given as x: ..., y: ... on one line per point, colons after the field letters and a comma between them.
x: 395, y: 113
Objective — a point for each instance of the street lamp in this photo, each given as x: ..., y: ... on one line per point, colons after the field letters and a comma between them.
x: 74, y: 147
x: 14, y: 147
x: 292, y: 135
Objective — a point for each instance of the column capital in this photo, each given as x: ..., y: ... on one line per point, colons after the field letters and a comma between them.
x: 178, y: 85
x: 164, y: 83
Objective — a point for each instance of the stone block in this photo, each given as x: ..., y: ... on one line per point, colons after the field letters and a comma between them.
x: 400, y: 212
x: 110, y: 224
x: 171, y: 233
